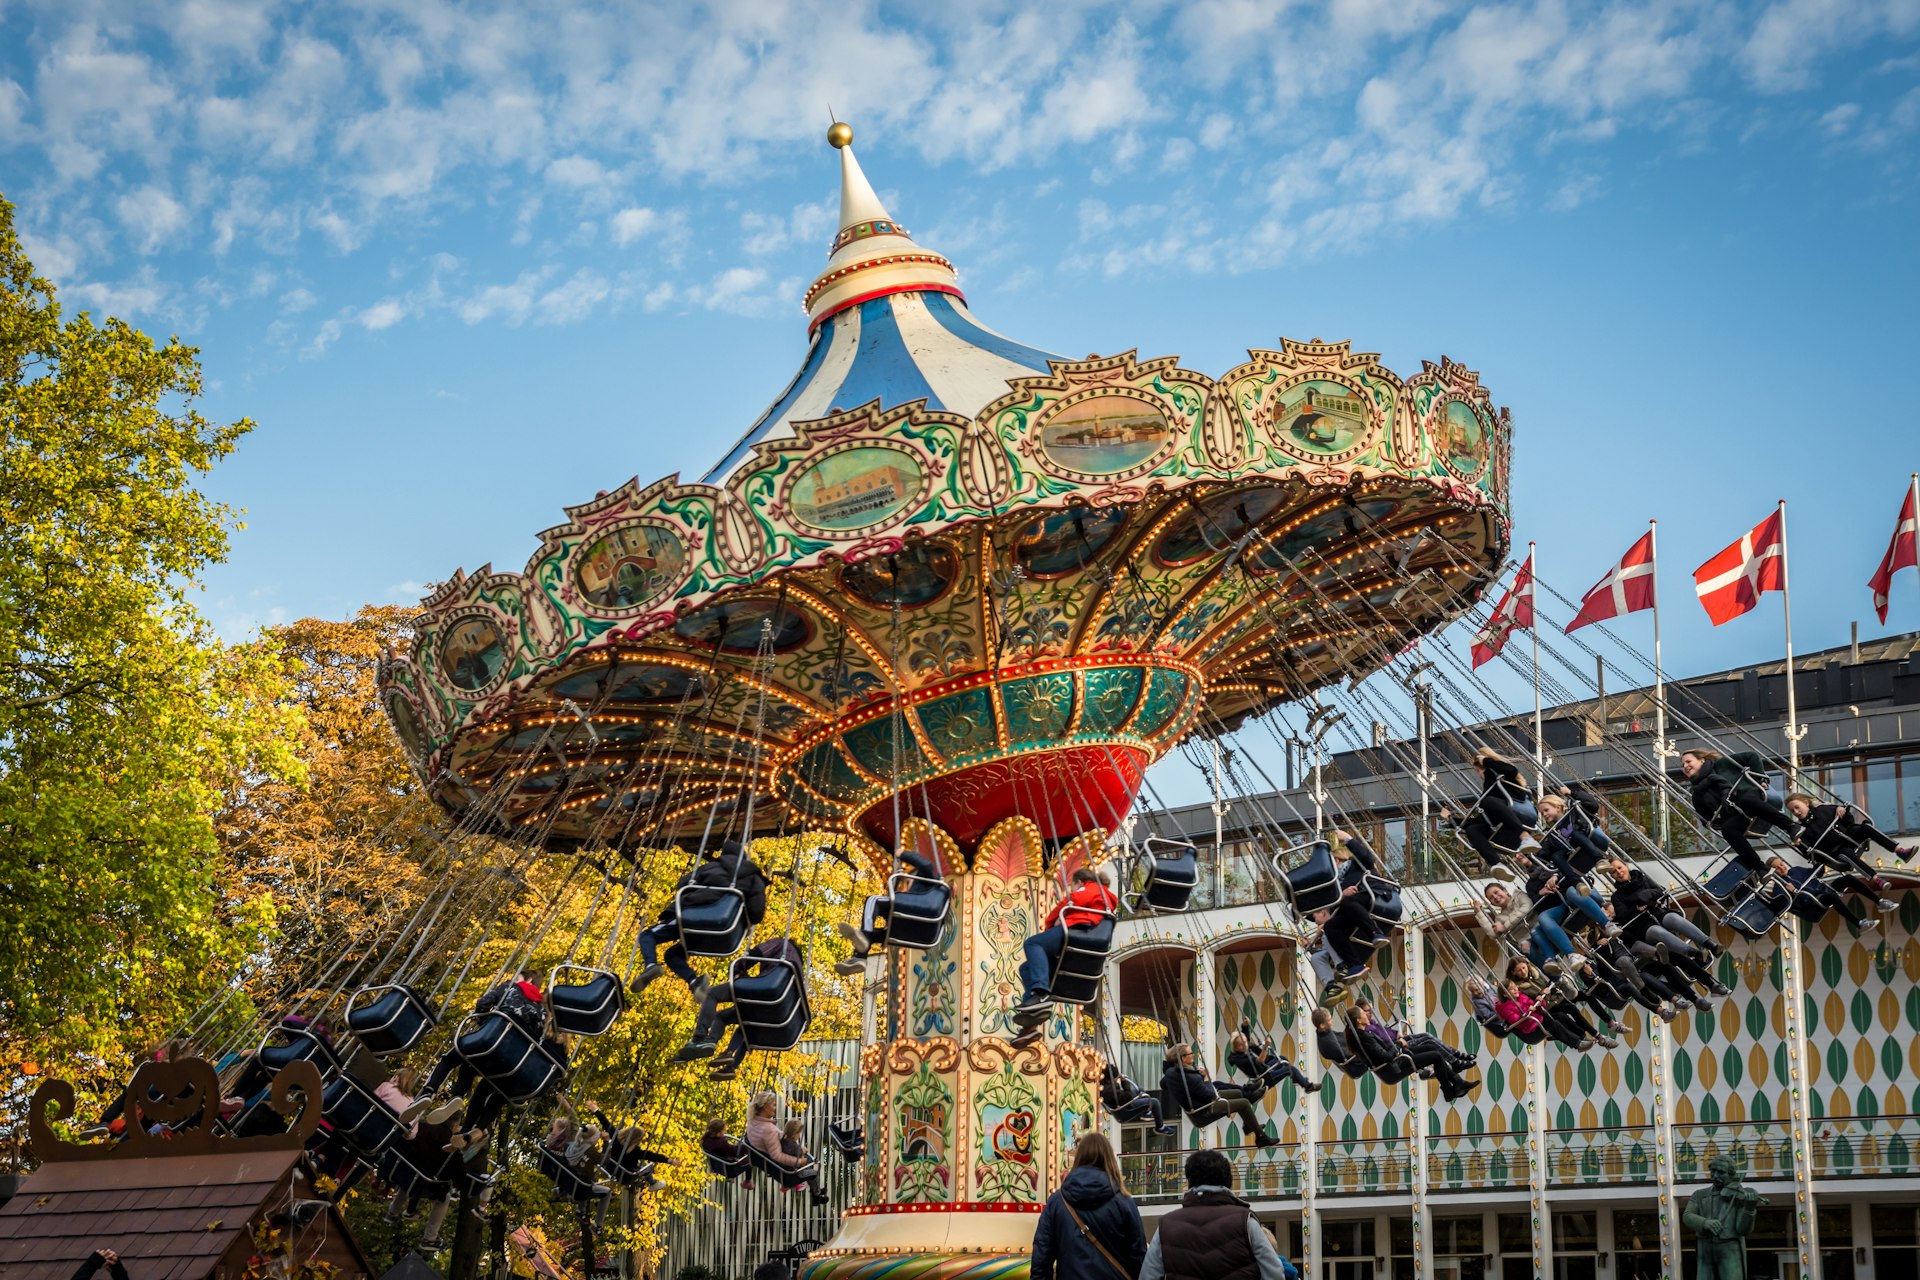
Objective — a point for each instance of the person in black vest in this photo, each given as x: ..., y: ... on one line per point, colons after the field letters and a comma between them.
x: 730, y: 868
x: 1186, y: 1089
x: 1090, y: 1228
x: 1213, y: 1235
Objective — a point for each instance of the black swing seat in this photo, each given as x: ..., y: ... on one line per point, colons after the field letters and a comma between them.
x: 399, y: 1171
x: 1083, y: 961
x: 567, y: 1184
x: 1725, y: 879
x: 300, y: 1045
x: 1495, y: 1026
x: 630, y: 1166
x: 725, y: 1166
x: 587, y: 1005
x: 1312, y: 886
x: 917, y: 910
x: 1388, y: 909
x: 1387, y: 1066
x: 713, y: 919
x: 1135, y: 1110
x: 1755, y: 913
x: 1169, y: 873
x: 789, y: 1178
x: 772, y: 1006
x: 359, y: 1119
x: 847, y: 1138
x: 390, y: 1019
x: 510, y: 1058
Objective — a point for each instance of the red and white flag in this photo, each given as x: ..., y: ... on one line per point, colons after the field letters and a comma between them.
x: 1627, y: 588
x: 1731, y: 583
x: 1513, y: 613
x: 1902, y: 553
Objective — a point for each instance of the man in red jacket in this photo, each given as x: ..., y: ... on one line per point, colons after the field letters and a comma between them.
x: 1081, y: 908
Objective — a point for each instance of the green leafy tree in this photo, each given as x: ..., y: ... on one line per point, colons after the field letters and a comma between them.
x: 123, y: 721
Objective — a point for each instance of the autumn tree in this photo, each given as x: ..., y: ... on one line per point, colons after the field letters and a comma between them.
x: 123, y: 720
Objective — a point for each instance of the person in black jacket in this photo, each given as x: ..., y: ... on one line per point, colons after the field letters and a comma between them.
x: 1090, y: 1228
x: 1256, y: 1058
x: 1127, y: 1103
x: 1730, y: 794
x: 1491, y: 825
x: 1797, y: 885
x: 712, y: 1018
x: 1837, y: 836
x: 118, y: 1270
x: 1186, y: 1089
x: 872, y: 932
x: 728, y: 868
x: 1349, y: 930
x: 1334, y: 1047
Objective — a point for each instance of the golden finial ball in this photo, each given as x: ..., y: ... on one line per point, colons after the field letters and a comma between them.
x: 839, y: 135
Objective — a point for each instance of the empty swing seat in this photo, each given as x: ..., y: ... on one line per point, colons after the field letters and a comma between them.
x: 399, y: 1171
x: 713, y: 920
x: 1170, y: 872
x: 301, y: 1045
x: 917, y: 910
x: 1725, y: 880
x: 588, y: 1005
x: 789, y: 1178
x: 359, y: 1119
x: 512, y: 1059
x: 1083, y: 962
x: 389, y: 1020
x: 1312, y: 886
x: 847, y: 1138
x: 1755, y: 914
x: 772, y: 1006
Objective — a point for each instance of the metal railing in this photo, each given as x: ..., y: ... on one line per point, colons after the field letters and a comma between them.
x: 1155, y: 1177
x: 1476, y: 1161
x: 1601, y: 1157
x: 1762, y: 1149
x: 1866, y: 1147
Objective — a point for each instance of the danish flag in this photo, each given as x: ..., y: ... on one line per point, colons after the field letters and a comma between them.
x: 1513, y: 613
x: 1627, y: 588
x: 1902, y: 553
x: 1731, y: 583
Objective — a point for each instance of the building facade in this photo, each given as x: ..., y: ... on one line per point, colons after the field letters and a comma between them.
x: 1566, y: 1164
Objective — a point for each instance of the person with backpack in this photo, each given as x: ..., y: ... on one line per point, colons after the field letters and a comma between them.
x: 1213, y: 1235
x: 1090, y: 1228
x: 710, y: 878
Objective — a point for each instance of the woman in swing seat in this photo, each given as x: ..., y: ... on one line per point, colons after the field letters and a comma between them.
x: 1837, y: 836
x: 1083, y: 907
x: 1730, y: 795
x: 1490, y: 825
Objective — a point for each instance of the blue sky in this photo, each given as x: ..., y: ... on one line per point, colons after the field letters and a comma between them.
x: 465, y: 264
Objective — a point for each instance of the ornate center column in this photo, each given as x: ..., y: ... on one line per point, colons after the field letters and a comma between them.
x: 967, y: 1136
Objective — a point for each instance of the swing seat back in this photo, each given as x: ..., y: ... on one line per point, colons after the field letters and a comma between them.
x: 588, y: 1002
x: 300, y: 1045
x: 630, y: 1164
x: 566, y: 1183
x: 398, y: 1170
x: 1754, y: 915
x: 359, y: 1119
x: 789, y: 1178
x: 1528, y: 812
x: 1388, y: 909
x: 772, y: 1006
x: 1083, y: 961
x: 1312, y: 886
x: 713, y: 920
x: 512, y: 1059
x: 390, y: 1019
x: 1170, y: 870
x: 1724, y: 880
x: 917, y: 910
x: 1496, y: 1026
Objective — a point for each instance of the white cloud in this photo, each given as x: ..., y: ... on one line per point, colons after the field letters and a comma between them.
x: 577, y: 172
x: 97, y: 102
x: 152, y: 216
x: 1839, y: 119
x: 512, y: 302
x: 294, y: 301
x: 383, y: 314
x: 140, y: 296
x: 1791, y: 36
x: 575, y: 299
x: 630, y: 224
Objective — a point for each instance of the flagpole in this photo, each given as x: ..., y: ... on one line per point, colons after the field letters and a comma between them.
x: 1794, y: 731
x: 1539, y: 745
x: 1659, y: 695
x: 1913, y: 496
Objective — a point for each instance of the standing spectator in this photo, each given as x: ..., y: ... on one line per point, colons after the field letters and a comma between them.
x: 1090, y: 1228
x: 1213, y: 1235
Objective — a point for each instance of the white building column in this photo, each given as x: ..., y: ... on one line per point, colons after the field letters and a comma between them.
x: 1414, y: 1015
x: 1793, y: 982
x: 1662, y: 1071
x: 1206, y: 1042
x: 1538, y: 1119
x: 1306, y: 999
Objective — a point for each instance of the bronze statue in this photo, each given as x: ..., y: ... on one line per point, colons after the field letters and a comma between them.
x: 1721, y: 1216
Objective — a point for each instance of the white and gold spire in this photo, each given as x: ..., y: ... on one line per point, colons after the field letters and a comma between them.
x: 872, y: 255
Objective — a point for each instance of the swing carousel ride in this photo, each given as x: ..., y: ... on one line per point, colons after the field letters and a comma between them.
x: 954, y: 594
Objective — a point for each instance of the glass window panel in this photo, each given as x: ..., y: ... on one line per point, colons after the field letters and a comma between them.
x: 1895, y: 1223
x: 1516, y: 1233
x: 1836, y: 1224
x: 1573, y: 1231
x: 1883, y: 794
x: 1460, y: 1235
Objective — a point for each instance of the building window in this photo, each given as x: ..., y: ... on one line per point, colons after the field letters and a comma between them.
x: 1576, y: 1246
x: 1896, y: 1241
x: 1636, y: 1245
x: 1836, y: 1241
